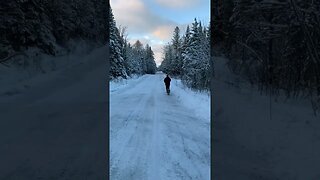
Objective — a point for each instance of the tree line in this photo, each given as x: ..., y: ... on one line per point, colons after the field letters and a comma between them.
x: 50, y: 25
x: 127, y: 59
x: 274, y: 44
x: 188, y: 56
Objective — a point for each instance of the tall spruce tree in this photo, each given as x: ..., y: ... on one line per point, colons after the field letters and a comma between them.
x: 117, y: 67
x: 176, y: 48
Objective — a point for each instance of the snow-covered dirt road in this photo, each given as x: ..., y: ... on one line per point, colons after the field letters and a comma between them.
x: 250, y: 144
x: 54, y: 126
x: 155, y: 136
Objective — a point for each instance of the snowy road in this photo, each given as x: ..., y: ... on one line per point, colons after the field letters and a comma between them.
x: 249, y: 144
x: 54, y: 126
x: 154, y: 136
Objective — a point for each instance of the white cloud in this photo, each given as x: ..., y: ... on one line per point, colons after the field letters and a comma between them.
x: 137, y: 17
x: 178, y: 3
x: 164, y: 32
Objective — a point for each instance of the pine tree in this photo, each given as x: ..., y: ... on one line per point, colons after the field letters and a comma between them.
x: 191, y: 57
x: 117, y: 68
x: 131, y: 69
x: 176, y: 47
x: 184, y: 50
x: 139, y: 57
x: 196, y: 58
x: 150, y: 63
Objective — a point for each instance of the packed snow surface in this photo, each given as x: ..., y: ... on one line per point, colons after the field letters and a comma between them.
x: 158, y: 136
x: 256, y: 137
x: 53, y: 126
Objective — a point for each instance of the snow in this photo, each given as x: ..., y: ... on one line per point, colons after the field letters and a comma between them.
x: 53, y: 126
x: 120, y: 83
x: 19, y: 77
x: 198, y: 101
x: 253, y: 140
x: 157, y: 136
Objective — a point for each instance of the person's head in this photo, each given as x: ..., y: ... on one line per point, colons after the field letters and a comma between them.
x: 167, y: 75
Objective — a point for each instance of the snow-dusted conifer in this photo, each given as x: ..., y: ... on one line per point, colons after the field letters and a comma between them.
x: 117, y: 68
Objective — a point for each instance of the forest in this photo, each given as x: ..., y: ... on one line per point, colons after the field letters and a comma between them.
x: 126, y: 59
x: 188, y: 57
x: 49, y: 27
x: 273, y: 44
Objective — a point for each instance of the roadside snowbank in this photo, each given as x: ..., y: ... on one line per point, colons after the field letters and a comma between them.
x: 265, y: 135
x: 23, y: 68
x: 56, y: 127
x: 70, y: 69
x: 120, y: 83
x: 198, y: 101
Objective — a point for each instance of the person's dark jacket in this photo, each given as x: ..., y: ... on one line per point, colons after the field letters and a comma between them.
x: 167, y: 81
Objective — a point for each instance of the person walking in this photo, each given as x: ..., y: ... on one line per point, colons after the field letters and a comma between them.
x: 167, y: 81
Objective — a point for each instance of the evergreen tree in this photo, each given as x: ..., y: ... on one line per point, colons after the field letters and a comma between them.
x: 176, y: 48
x: 117, y: 68
x: 150, y: 63
x: 139, y: 57
x: 168, y: 59
x: 186, y: 43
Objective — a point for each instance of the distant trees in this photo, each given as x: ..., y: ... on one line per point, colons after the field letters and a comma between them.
x: 150, y: 65
x: 127, y: 59
x: 188, y: 57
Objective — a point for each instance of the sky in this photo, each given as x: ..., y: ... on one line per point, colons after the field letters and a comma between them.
x: 153, y: 21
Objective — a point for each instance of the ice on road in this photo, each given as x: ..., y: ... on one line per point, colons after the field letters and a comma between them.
x: 156, y: 136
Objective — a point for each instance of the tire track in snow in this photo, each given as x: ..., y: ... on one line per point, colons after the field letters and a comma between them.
x: 119, y: 135
x: 181, y: 125
x: 135, y: 140
x: 156, y: 140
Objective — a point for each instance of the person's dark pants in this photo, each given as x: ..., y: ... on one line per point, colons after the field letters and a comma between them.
x: 167, y: 86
